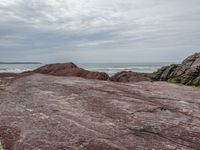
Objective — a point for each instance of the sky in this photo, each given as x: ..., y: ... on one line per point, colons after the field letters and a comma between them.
x: 99, y: 30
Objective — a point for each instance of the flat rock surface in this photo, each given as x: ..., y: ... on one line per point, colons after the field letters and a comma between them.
x: 41, y: 112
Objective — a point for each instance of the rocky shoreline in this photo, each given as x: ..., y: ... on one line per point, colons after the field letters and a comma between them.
x: 62, y: 106
x: 187, y: 73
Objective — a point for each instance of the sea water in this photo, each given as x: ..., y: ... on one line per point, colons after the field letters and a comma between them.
x: 112, y: 68
x: 18, y: 68
x: 109, y: 68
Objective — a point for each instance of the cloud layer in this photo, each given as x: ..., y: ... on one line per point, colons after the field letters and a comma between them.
x: 98, y: 30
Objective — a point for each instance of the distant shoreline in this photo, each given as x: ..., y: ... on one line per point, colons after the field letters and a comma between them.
x: 6, y: 63
x: 110, y: 68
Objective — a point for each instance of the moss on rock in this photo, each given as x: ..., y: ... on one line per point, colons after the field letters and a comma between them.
x: 196, y: 83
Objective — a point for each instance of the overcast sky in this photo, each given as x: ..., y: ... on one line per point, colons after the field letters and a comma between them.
x: 99, y: 30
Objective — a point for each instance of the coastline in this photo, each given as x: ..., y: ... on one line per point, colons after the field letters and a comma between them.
x: 67, y: 107
x: 109, y: 68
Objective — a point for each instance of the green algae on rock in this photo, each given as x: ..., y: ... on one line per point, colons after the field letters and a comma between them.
x: 187, y: 73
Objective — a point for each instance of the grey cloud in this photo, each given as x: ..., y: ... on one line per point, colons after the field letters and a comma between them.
x: 98, y: 30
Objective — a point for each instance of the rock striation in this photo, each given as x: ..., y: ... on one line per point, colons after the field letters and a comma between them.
x: 188, y: 72
x: 70, y: 69
x: 68, y: 113
x: 129, y: 76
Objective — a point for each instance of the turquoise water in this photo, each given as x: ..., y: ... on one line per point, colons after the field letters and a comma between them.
x: 109, y: 68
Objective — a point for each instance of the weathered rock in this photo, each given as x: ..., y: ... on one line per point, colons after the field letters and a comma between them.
x: 8, y: 78
x: 8, y: 137
x: 70, y: 69
x: 193, y: 60
x: 69, y: 113
x: 7, y: 75
x: 129, y: 76
x: 187, y: 73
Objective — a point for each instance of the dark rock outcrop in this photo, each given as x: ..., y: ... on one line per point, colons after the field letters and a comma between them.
x: 187, y: 73
x: 129, y: 76
x: 70, y: 69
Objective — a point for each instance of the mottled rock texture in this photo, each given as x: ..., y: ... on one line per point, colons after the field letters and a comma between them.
x: 187, y: 73
x: 129, y: 76
x: 42, y: 112
x: 70, y: 69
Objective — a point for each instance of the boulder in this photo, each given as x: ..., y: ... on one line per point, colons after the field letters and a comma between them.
x: 70, y: 69
x: 188, y: 72
x: 129, y: 76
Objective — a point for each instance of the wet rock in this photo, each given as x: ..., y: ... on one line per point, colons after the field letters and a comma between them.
x: 129, y: 76
x: 187, y: 73
x: 70, y: 69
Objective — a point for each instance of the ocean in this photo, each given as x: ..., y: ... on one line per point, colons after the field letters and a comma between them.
x: 109, y: 68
